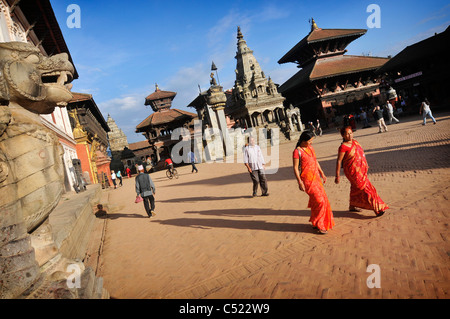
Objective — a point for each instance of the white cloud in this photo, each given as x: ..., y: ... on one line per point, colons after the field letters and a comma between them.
x: 271, y: 12
x: 125, y: 103
x: 186, y: 81
x: 440, y: 14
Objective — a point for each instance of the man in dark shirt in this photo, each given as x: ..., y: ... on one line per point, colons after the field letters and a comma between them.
x: 146, y: 189
x: 378, y: 115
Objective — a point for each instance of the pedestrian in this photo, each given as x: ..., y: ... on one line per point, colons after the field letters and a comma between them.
x: 146, y: 189
x: 193, y: 159
x: 425, y: 110
x: 119, y: 176
x: 148, y: 161
x: 312, y: 128
x: 364, y: 119
x: 362, y: 193
x: 113, y: 178
x: 128, y: 172
x: 378, y: 116
x: 390, y: 112
x: 255, y: 163
x: 318, y: 128
x: 308, y: 173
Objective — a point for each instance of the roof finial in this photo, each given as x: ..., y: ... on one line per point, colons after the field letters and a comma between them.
x: 313, y: 25
x: 157, y: 87
x: 239, y: 35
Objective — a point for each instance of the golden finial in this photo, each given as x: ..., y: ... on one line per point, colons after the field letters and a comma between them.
x: 313, y: 25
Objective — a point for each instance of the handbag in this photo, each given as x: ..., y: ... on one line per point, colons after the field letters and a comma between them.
x: 138, y: 199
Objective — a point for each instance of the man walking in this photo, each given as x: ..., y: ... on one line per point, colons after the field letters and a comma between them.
x: 254, y: 161
x: 426, y: 111
x: 193, y: 160
x: 390, y: 112
x: 146, y: 189
x: 113, y: 178
x: 378, y: 115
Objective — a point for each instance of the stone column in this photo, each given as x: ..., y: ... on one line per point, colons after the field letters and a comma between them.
x: 217, y: 100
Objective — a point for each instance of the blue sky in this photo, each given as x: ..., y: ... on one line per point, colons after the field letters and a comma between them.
x: 124, y: 47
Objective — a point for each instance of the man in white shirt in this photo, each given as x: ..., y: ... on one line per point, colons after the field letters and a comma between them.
x: 390, y: 111
x: 113, y: 178
x: 254, y: 161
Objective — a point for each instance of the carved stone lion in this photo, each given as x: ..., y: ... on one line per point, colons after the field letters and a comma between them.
x: 31, y: 167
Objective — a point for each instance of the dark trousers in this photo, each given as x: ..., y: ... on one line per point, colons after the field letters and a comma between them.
x: 194, y: 168
x: 149, y: 206
x: 259, y: 177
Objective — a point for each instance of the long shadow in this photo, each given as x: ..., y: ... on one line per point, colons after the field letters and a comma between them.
x: 251, y: 212
x: 123, y: 215
x: 204, y: 223
x: 202, y: 198
x: 353, y: 215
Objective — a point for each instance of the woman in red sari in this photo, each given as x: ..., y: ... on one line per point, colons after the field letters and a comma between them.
x: 308, y: 172
x: 362, y: 193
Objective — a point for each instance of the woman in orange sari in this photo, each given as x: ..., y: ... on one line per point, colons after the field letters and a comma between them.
x: 308, y: 172
x: 362, y: 193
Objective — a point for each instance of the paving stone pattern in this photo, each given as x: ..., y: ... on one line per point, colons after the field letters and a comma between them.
x: 210, y: 239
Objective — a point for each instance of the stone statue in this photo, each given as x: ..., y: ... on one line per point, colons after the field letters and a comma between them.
x: 31, y: 167
x: 213, y: 80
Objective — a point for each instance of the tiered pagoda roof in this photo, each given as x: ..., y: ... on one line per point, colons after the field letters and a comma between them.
x: 321, y: 55
x: 321, y: 42
x: 161, y: 103
x: 156, y: 99
x: 339, y: 65
x: 164, y: 117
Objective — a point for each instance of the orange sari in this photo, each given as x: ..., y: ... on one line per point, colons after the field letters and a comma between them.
x: 362, y: 193
x: 321, y: 214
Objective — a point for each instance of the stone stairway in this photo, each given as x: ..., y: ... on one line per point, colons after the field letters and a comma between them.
x: 62, y: 247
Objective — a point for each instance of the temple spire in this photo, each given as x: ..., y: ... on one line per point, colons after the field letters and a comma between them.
x: 239, y: 34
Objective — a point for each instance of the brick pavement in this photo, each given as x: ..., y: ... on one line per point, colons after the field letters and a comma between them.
x: 210, y: 239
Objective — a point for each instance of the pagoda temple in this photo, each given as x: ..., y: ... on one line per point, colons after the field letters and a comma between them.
x: 329, y: 81
x: 159, y: 125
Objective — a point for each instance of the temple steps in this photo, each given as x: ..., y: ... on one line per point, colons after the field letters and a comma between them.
x: 63, y: 247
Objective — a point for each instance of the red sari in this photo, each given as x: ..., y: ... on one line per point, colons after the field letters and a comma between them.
x: 362, y: 193
x: 321, y: 214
